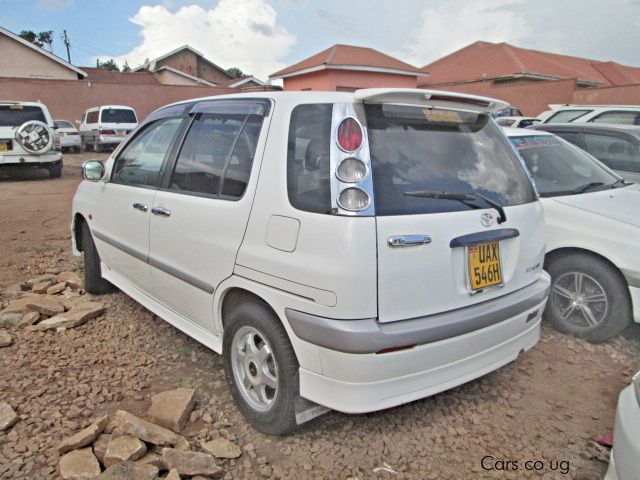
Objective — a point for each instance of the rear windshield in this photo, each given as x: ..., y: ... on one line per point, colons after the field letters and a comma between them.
x: 63, y: 124
x: 426, y: 151
x: 16, y: 115
x: 118, y: 115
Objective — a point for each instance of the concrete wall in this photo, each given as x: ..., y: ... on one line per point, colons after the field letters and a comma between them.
x: 167, y: 77
x: 332, y: 80
x: 69, y: 99
x: 531, y: 98
x: 625, y: 95
x: 17, y: 60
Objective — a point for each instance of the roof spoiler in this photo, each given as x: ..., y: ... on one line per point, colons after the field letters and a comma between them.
x: 431, y: 98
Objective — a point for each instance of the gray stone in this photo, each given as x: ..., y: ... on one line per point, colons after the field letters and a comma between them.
x: 73, y: 318
x: 173, y: 475
x: 222, y: 448
x: 130, y: 471
x: 123, y: 448
x: 129, y: 424
x: 8, y: 417
x: 100, y: 446
x: 191, y: 463
x: 15, y: 290
x: 29, y: 318
x: 10, y: 319
x: 79, y: 465
x: 84, y: 437
x: 41, y: 278
x: 171, y: 409
x: 5, y: 339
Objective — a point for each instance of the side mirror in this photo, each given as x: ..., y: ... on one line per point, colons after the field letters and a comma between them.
x: 78, y: 122
x: 93, y: 170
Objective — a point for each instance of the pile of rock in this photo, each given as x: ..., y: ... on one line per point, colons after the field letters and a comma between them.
x: 129, y: 447
x: 47, y: 302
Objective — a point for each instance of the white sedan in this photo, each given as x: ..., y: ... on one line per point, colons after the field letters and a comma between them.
x: 68, y: 134
x: 593, y: 232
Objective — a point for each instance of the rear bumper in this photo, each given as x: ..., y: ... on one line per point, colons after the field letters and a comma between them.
x: 625, y: 455
x: 109, y: 140
x: 70, y: 141
x: 370, y: 336
x: 28, y: 159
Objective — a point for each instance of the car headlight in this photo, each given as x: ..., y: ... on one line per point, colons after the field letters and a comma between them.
x: 636, y: 386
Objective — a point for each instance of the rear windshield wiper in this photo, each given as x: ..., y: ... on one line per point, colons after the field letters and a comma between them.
x: 461, y: 197
x: 585, y: 187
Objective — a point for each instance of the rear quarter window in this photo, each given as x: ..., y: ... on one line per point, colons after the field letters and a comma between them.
x: 308, y: 158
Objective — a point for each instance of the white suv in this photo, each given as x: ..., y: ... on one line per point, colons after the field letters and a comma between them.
x: 28, y: 138
x: 352, y: 251
x: 617, y: 114
x: 106, y: 126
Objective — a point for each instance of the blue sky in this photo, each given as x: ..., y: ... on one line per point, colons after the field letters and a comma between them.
x: 261, y: 36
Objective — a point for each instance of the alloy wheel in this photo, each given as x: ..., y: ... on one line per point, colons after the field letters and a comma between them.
x: 579, y: 300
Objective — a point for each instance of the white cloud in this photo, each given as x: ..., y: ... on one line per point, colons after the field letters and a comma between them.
x: 235, y: 33
x: 448, y: 26
x: 53, y: 5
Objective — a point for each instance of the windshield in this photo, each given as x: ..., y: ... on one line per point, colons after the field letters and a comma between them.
x: 560, y: 168
x: 416, y: 150
x: 16, y: 115
x: 118, y: 115
x: 63, y: 124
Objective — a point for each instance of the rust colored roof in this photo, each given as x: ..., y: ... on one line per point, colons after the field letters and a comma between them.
x: 484, y: 60
x: 107, y: 76
x: 344, y: 56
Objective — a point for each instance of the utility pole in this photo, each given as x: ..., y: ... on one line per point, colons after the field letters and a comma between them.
x: 66, y: 41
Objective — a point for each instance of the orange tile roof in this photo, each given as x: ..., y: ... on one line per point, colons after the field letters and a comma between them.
x: 482, y: 60
x: 349, y: 56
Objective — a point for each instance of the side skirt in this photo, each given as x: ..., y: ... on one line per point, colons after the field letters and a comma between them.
x: 195, y: 331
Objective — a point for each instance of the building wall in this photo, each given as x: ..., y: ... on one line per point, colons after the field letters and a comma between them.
x: 333, y: 80
x: 168, y: 77
x: 19, y: 61
x: 625, y: 95
x: 211, y: 74
x: 69, y: 99
x: 531, y: 98
x: 185, y: 60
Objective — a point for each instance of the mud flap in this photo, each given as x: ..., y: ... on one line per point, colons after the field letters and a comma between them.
x: 305, y: 410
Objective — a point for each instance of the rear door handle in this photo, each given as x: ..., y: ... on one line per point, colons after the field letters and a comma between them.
x: 164, y: 212
x: 140, y: 206
x: 408, y: 240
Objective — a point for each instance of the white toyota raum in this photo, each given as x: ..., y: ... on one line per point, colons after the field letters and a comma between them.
x: 351, y: 251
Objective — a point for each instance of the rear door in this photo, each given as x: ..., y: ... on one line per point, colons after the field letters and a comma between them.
x: 117, y: 121
x: 440, y: 246
x: 199, y: 217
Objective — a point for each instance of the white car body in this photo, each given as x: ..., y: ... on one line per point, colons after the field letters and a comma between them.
x: 68, y: 134
x: 605, y: 223
x: 617, y: 114
x: 517, y: 122
x: 624, y: 461
x: 344, y: 295
x: 97, y: 131
x: 12, y: 152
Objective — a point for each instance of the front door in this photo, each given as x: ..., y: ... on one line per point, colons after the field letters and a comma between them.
x: 121, y: 211
x: 198, y: 218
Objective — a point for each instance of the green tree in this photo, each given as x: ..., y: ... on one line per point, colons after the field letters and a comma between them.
x: 30, y: 36
x: 46, y: 38
x: 110, y: 65
x: 126, y: 67
x: 235, y: 72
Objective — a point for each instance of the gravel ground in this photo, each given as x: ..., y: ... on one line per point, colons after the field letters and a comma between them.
x: 547, y: 406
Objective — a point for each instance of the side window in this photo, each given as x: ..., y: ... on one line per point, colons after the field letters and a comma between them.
x: 217, y: 155
x: 308, y: 158
x: 92, y: 117
x: 526, y: 123
x: 571, y: 137
x: 140, y: 162
x: 621, y: 117
x: 615, y: 152
x: 566, y: 116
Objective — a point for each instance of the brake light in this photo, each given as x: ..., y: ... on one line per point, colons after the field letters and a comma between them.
x: 107, y: 132
x: 394, y: 349
x: 349, y: 135
x: 72, y: 133
x: 469, y: 101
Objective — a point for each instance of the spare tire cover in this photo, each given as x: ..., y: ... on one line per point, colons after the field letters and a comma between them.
x: 35, y: 137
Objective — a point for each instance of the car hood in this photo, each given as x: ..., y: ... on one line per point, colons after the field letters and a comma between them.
x: 619, y: 203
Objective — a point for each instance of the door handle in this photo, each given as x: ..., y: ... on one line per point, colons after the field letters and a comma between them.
x: 140, y: 206
x: 408, y: 240
x: 164, y: 212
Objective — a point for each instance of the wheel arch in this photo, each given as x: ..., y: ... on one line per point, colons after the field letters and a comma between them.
x: 235, y: 295
x: 78, y: 222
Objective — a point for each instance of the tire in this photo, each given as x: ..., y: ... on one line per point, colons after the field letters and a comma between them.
x: 253, y: 318
x: 55, y: 170
x: 603, y: 307
x: 93, y: 281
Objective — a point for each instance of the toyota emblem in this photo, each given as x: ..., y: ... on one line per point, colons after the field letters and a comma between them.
x: 486, y: 219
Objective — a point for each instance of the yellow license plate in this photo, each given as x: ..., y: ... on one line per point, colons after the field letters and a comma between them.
x: 120, y: 133
x: 485, y: 266
x: 61, y: 134
x: 4, y: 147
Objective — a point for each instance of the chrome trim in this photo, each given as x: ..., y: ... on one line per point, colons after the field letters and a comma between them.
x: 339, y: 113
x: 180, y: 275
x: 140, y: 206
x: 163, y: 212
x: 408, y: 240
x: 369, y: 336
x: 143, y: 257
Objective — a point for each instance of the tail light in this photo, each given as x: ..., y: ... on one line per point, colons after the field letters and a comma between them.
x: 72, y: 133
x: 351, y: 170
x: 56, y: 142
x: 349, y: 135
x: 354, y: 199
x: 107, y: 132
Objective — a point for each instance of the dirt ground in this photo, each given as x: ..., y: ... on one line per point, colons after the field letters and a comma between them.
x: 547, y: 406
